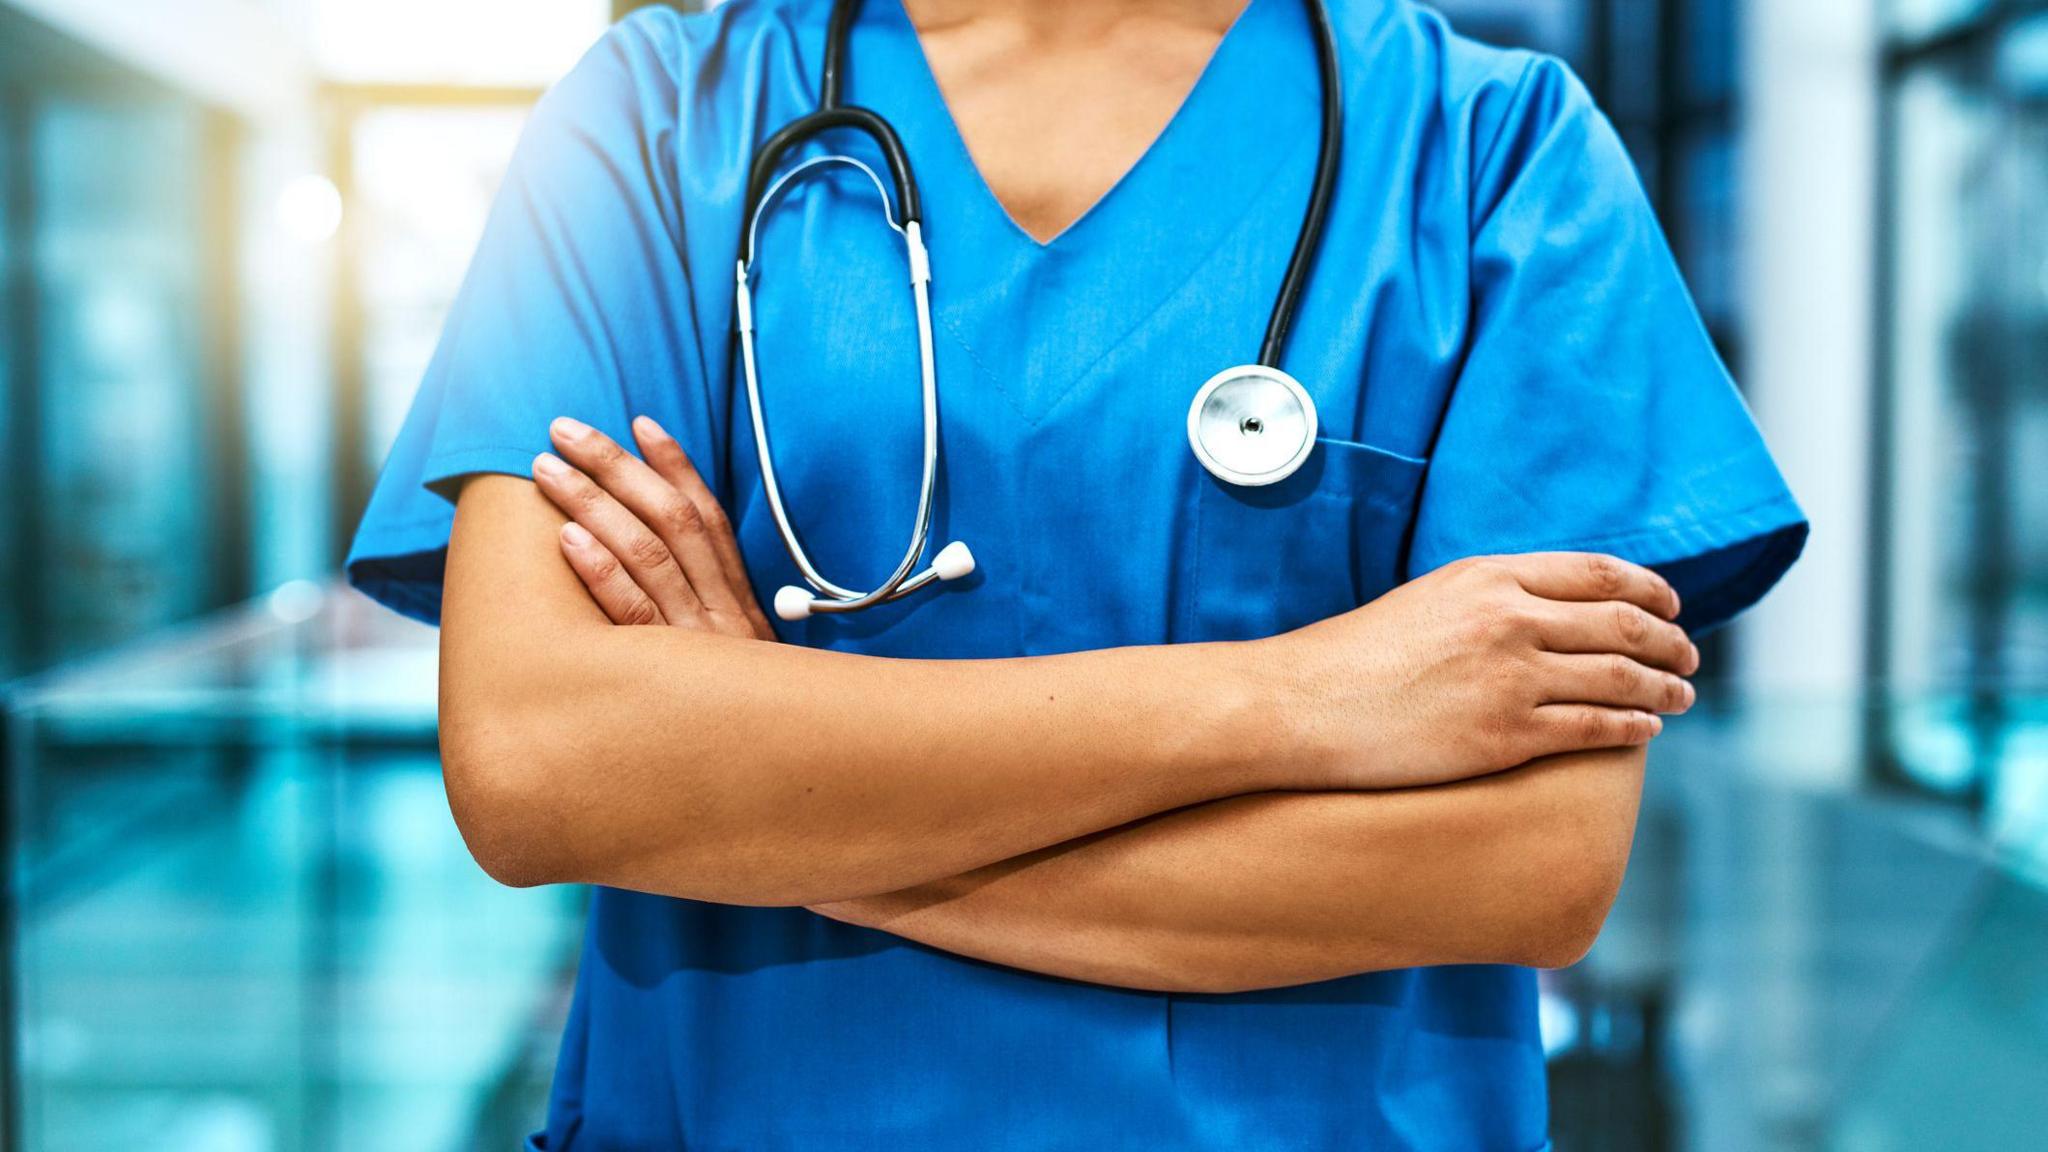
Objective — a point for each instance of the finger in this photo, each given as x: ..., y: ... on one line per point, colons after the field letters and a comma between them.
x: 1613, y: 681
x: 1584, y: 576
x: 606, y: 579
x: 1618, y: 626
x: 1582, y: 727
x: 657, y: 504
x: 672, y: 464
x: 645, y: 556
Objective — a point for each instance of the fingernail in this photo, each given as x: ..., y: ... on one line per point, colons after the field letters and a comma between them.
x: 576, y: 534
x: 646, y: 426
x: 547, y: 464
x: 569, y: 429
x: 1692, y: 694
x: 1697, y: 660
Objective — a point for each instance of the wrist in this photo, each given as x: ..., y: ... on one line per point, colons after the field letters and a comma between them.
x: 1261, y: 728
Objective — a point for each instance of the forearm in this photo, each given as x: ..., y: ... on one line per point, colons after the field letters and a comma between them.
x: 731, y: 770
x: 1277, y: 890
x: 701, y: 760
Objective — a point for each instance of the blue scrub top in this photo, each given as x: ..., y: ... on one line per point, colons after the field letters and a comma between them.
x: 1504, y: 359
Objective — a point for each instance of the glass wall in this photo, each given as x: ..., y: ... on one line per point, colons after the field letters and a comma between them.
x: 14, y: 598
x: 113, y: 330
x: 1961, y: 634
x: 120, y: 330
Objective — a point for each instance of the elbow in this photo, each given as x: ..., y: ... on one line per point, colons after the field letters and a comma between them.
x: 526, y: 804
x: 1575, y: 858
x: 1577, y: 894
x: 500, y: 795
x: 1574, y: 916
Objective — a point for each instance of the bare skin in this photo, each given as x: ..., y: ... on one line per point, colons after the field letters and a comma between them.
x: 1272, y: 891
x: 1454, y: 778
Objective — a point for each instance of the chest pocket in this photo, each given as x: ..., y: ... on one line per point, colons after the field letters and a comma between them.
x: 1329, y: 538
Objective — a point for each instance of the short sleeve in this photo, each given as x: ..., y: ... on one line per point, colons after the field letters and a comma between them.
x: 578, y: 288
x: 1592, y: 412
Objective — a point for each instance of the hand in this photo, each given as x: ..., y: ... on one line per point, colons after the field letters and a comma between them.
x: 1485, y: 665
x: 645, y: 535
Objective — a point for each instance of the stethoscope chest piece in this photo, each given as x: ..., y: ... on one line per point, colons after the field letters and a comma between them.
x: 1252, y: 425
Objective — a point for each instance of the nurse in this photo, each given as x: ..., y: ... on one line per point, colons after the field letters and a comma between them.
x: 1201, y: 816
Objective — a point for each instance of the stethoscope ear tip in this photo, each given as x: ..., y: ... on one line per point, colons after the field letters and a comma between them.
x: 793, y: 603
x: 953, y: 561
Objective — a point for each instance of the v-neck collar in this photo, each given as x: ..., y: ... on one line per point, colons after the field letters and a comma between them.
x: 1252, y: 109
x: 925, y: 77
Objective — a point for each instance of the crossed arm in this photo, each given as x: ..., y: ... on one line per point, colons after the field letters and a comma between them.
x: 1276, y: 890
x: 1055, y: 814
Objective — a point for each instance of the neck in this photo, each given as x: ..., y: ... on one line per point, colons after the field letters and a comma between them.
x: 1064, y: 18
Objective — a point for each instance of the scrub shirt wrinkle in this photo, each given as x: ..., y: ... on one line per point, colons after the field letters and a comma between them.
x: 1504, y: 358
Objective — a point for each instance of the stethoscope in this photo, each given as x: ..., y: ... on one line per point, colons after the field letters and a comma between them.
x: 1251, y: 425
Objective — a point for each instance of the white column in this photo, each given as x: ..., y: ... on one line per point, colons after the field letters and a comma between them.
x: 1810, y: 117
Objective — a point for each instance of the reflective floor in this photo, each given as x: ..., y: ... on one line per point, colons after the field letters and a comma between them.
x: 248, y: 920
x: 248, y: 923
x: 248, y: 978
x: 1789, y: 970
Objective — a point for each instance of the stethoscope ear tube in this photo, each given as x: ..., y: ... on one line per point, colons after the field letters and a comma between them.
x: 761, y: 173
